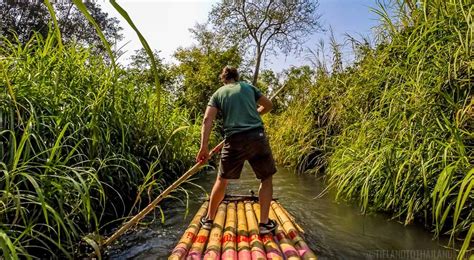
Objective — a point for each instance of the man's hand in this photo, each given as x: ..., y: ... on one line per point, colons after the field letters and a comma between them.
x: 203, y: 155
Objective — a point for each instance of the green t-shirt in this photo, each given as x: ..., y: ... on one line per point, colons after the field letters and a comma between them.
x: 238, y: 104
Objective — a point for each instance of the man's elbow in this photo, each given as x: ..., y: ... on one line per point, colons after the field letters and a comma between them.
x: 271, y: 105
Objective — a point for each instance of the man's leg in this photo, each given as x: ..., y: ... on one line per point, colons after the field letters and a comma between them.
x: 265, y: 195
x: 217, y: 195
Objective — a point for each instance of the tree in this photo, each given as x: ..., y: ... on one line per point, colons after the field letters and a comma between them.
x: 140, y: 71
x: 23, y: 18
x: 297, y: 84
x: 199, y: 67
x: 268, y: 82
x: 198, y: 73
x: 74, y: 26
x: 266, y: 24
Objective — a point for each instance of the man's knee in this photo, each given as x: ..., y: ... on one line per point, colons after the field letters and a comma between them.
x: 221, y: 181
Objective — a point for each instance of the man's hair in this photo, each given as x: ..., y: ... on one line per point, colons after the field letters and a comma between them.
x: 229, y: 73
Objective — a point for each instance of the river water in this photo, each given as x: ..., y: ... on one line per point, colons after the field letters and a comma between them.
x: 333, y: 230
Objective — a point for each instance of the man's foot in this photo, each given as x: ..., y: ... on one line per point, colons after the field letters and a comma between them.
x: 267, y: 228
x: 206, y: 223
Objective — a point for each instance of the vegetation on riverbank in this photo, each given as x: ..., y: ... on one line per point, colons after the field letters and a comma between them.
x: 395, y: 130
x: 80, y: 144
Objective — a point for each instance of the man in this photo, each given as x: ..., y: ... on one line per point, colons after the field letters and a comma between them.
x: 244, y: 140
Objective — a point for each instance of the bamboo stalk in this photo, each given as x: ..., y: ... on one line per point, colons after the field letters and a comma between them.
x: 243, y: 246
x: 229, y: 249
x: 256, y: 246
x: 303, y: 249
x: 300, y: 229
x: 195, y: 252
x: 286, y: 244
x: 272, y: 248
x: 213, y: 249
x: 181, y: 249
x: 158, y: 199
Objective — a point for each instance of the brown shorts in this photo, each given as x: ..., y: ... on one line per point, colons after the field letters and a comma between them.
x: 252, y: 146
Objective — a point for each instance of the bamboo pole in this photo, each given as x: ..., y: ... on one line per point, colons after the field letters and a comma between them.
x: 256, y: 246
x: 300, y: 229
x: 286, y: 244
x: 243, y: 247
x: 229, y: 246
x: 213, y: 249
x: 158, y: 199
x: 181, y: 249
x: 303, y: 248
x: 272, y: 249
x: 195, y: 252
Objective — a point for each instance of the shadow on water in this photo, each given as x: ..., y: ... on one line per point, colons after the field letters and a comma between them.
x: 333, y: 230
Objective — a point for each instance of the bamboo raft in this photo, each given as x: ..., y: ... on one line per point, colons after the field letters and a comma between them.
x: 234, y: 234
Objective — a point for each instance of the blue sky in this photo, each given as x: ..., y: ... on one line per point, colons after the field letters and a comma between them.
x: 165, y: 25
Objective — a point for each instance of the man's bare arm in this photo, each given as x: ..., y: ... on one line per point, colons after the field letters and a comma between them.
x: 206, y: 128
x: 209, y: 117
x: 265, y: 105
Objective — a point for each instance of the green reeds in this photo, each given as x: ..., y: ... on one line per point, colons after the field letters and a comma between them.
x: 395, y: 129
x: 75, y: 155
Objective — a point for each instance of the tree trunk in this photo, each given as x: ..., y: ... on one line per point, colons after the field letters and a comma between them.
x: 257, y: 66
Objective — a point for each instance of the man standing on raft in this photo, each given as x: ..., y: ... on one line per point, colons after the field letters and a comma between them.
x: 244, y: 140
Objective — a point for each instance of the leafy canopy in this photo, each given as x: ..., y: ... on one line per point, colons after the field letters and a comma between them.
x: 24, y: 18
x: 199, y: 66
x: 265, y: 24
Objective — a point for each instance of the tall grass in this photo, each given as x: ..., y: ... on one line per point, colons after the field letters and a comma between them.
x: 399, y: 134
x: 80, y: 144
